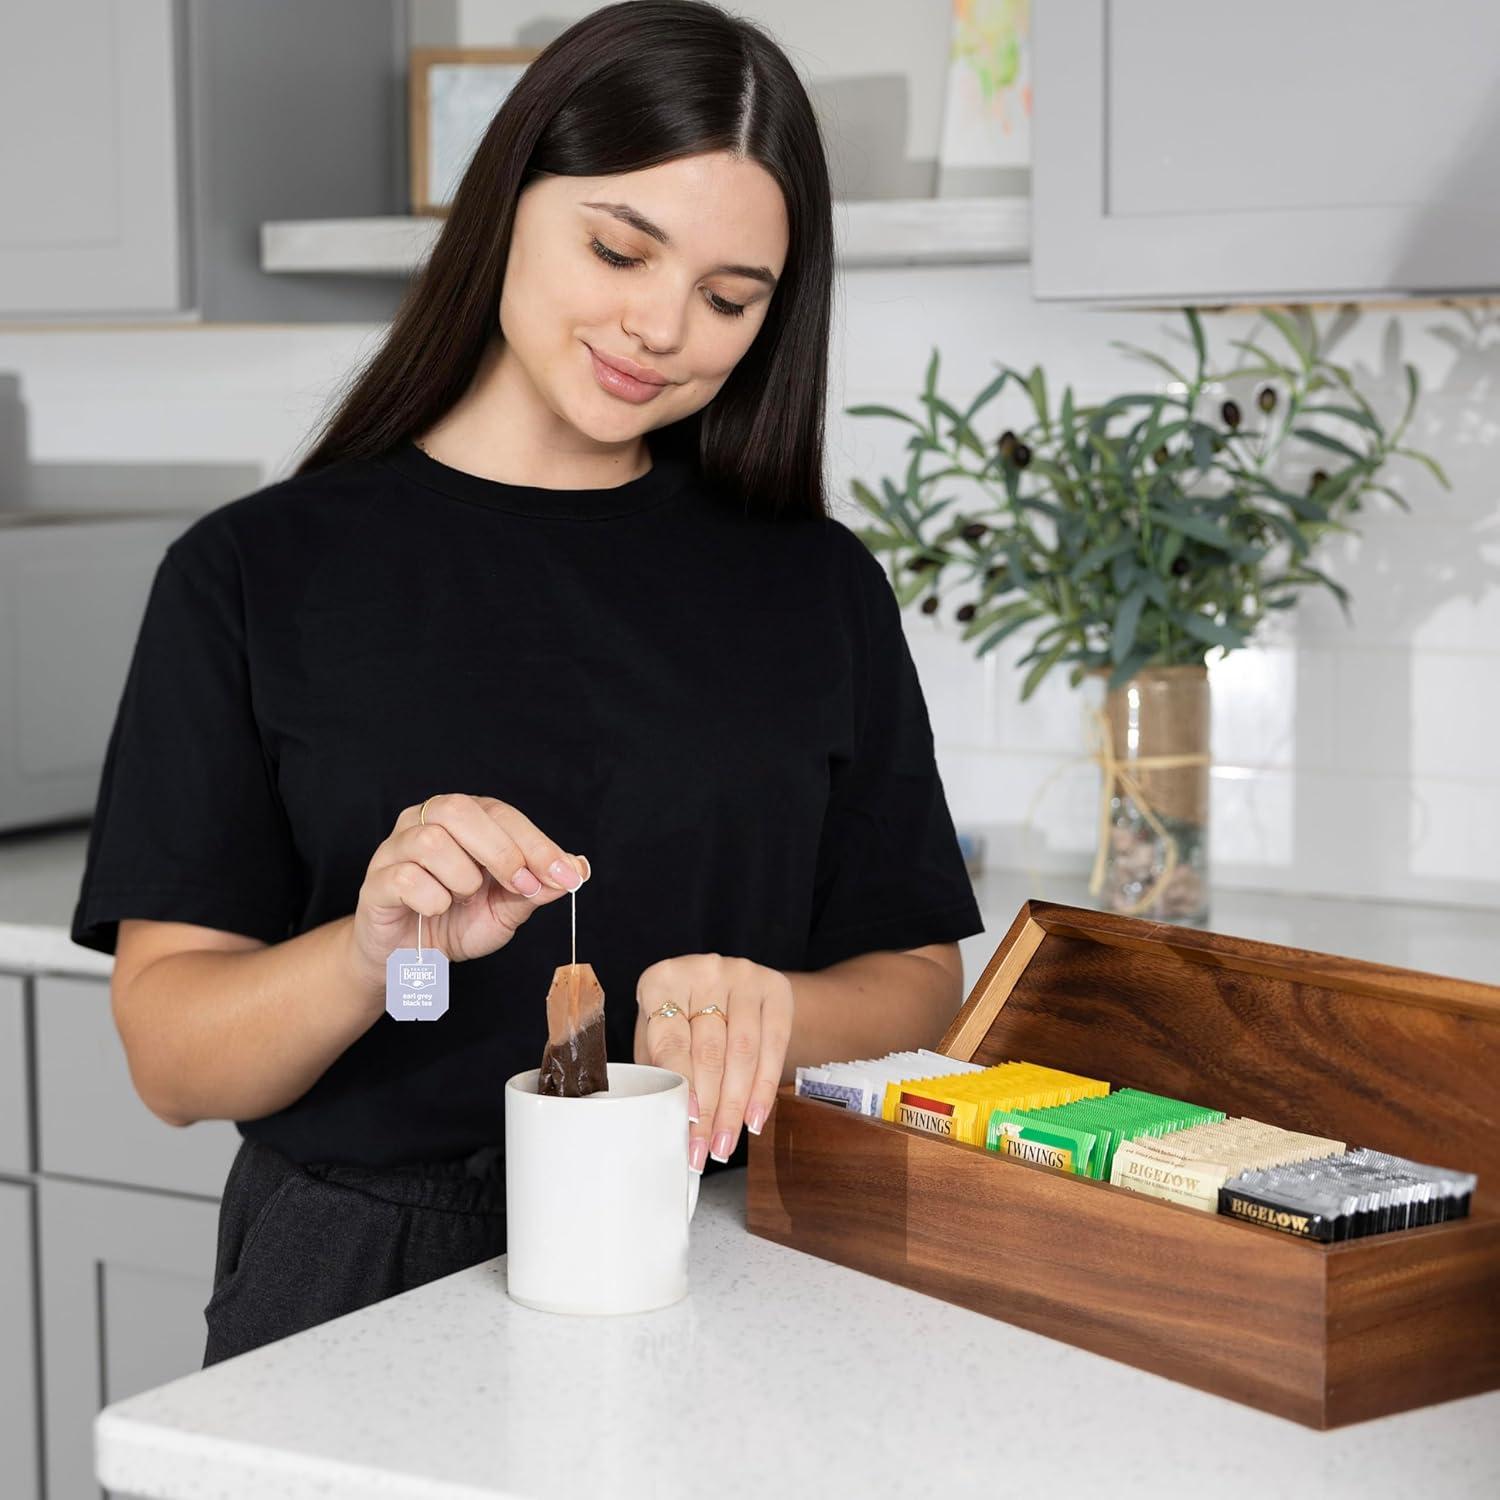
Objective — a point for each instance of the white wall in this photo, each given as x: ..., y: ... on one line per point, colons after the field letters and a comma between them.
x: 1348, y: 760
x: 1353, y: 760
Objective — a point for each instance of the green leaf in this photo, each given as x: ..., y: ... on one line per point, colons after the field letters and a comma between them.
x: 1348, y: 413
x: 1322, y: 440
x: 1101, y: 414
x: 1042, y: 507
x: 1385, y: 489
x: 878, y: 541
x: 1195, y: 527
x: 1041, y: 668
x: 1195, y: 325
x: 1127, y: 617
x: 1290, y: 531
x: 1151, y: 358
x: 867, y: 499
x: 1210, y: 631
x: 1099, y: 554
x: 929, y: 381
x: 882, y: 411
x: 1068, y: 420
x: 1036, y: 388
x: 1272, y: 365
x: 961, y: 429
x: 1000, y: 614
x: 988, y: 393
x: 1413, y: 385
x: 1291, y: 333
x: 1427, y: 462
x: 997, y: 635
x: 1309, y: 507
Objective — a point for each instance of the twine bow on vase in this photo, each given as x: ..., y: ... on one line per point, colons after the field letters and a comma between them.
x: 1130, y: 775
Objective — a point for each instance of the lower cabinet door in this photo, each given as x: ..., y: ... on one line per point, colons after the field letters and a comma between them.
x: 20, y: 1428
x: 125, y: 1275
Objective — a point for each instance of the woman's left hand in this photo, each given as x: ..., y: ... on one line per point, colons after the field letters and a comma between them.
x: 732, y: 1057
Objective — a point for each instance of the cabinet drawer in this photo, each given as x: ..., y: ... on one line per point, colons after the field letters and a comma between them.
x: 90, y: 1121
x: 15, y: 1085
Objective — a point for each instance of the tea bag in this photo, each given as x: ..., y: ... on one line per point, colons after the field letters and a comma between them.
x: 574, y: 1061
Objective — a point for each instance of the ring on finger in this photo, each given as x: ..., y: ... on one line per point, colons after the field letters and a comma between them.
x: 710, y: 1010
x: 666, y: 1011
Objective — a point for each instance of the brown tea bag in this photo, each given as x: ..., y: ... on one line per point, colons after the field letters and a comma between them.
x: 574, y: 1061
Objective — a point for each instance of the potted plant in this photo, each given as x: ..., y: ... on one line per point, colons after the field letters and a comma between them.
x: 1132, y: 537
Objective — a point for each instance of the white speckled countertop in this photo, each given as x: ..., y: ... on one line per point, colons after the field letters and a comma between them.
x: 778, y: 1374
x: 781, y: 1373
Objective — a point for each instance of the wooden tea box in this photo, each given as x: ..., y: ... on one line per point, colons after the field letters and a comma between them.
x: 1325, y: 1334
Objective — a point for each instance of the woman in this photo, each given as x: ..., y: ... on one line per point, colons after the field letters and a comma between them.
x: 558, y: 576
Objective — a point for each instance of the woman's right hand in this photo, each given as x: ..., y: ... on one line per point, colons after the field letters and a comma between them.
x: 475, y: 870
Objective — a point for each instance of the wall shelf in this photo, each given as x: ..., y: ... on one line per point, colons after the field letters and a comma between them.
x: 878, y: 232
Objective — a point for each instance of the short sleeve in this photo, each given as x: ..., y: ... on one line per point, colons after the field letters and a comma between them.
x: 890, y: 873
x: 188, y: 826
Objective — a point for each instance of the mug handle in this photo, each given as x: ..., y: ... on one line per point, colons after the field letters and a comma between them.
x: 695, y: 1180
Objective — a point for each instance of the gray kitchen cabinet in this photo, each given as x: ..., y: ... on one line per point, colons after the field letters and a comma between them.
x: 91, y: 1123
x: 89, y: 167
x: 1185, y: 152
x: 15, y: 1083
x: 125, y: 1276
x: 19, y: 1424
x: 143, y: 143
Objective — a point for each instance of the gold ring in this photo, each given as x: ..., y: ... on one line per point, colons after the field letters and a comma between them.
x: 667, y: 1011
x: 422, y: 816
x: 710, y: 1010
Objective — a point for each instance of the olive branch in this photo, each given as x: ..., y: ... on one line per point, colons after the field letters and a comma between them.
x: 1136, y: 532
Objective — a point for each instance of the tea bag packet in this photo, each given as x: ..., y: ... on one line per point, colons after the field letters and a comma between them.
x: 1347, y: 1197
x: 960, y: 1106
x: 817, y: 1083
x: 860, y: 1085
x: 574, y: 1062
x: 1110, y: 1119
x: 1190, y: 1166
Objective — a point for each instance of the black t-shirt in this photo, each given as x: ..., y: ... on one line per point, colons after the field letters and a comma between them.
x: 721, y: 712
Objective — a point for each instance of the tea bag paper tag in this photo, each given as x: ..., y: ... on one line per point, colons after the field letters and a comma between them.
x: 416, y: 984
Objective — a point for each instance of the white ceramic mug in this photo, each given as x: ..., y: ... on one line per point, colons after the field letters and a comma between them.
x: 598, y: 1193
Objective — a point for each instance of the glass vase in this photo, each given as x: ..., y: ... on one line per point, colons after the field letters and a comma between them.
x: 1154, y: 802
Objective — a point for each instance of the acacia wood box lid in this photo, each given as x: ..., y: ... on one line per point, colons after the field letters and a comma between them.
x: 1369, y: 1054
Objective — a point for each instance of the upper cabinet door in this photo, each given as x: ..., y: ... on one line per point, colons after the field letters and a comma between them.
x: 88, y: 158
x: 1184, y: 151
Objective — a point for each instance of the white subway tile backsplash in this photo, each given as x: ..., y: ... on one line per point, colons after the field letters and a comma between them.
x: 1350, y: 759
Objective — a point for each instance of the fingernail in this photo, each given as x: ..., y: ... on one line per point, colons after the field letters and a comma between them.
x: 588, y: 869
x: 697, y: 1153
x: 755, y: 1117
x: 526, y: 882
x: 722, y: 1142
x: 564, y: 874
x: 693, y: 1106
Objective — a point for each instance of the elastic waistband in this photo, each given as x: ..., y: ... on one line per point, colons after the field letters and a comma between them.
x: 471, y: 1184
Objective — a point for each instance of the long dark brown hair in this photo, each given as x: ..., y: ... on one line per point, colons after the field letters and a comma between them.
x: 629, y: 87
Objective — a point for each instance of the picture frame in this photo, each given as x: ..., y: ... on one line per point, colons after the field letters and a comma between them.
x: 453, y: 94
